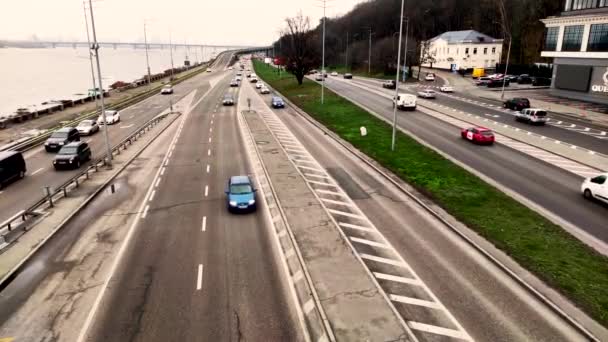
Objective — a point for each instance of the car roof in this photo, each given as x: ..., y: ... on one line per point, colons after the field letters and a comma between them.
x: 6, y: 154
x: 74, y: 143
x: 240, y: 180
x: 64, y: 129
x: 481, y: 129
x: 274, y: 97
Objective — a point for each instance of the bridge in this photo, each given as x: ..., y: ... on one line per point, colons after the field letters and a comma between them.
x: 116, y: 45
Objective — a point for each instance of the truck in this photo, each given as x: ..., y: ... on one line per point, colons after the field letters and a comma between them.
x: 479, y: 72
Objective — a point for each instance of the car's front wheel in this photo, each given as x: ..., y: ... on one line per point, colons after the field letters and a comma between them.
x: 587, y: 194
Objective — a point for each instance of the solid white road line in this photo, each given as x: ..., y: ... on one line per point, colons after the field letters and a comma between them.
x: 129, y: 126
x: 357, y: 227
x: 152, y: 196
x: 437, y: 330
x: 145, y: 213
x: 397, y: 279
x: 327, y: 200
x: 383, y: 260
x: 204, y: 224
x: 328, y: 192
x: 206, y: 190
x: 37, y: 171
x: 369, y: 242
x: 199, y: 278
x: 343, y: 213
x: 414, y: 301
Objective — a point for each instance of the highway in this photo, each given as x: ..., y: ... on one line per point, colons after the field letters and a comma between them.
x: 463, y: 102
x: 191, y: 271
x: 489, y: 305
x: 517, y: 171
x: 40, y: 172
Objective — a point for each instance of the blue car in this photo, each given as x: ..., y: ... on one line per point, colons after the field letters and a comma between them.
x: 277, y: 102
x: 240, y: 194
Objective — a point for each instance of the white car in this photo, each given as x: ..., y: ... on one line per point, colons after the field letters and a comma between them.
x: 87, y: 127
x: 596, y: 187
x: 430, y: 77
x: 405, y: 101
x: 112, y: 116
x: 168, y: 89
x: 427, y: 94
x: 230, y: 68
x: 447, y: 89
x: 264, y: 90
x: 259, y: 85
x: 334, y: 73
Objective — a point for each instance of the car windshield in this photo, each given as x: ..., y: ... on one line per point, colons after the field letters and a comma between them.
x: 228, y: 97
x: 239, y: 189
x: 68, y: 150
x: 60, y: 135
x: 541, y: 113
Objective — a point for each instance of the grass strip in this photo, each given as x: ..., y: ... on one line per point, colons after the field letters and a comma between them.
x: 547, y: 250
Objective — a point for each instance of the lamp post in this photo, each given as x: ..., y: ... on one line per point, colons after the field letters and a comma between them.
x: 95, y: 47
x: 86, y: 22
x: 407, y: 29
x: 147, y: 57
x: 323, y: 57
x: 396, y: 79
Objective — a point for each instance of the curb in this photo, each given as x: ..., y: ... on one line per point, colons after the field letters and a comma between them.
x: 368, y: 161
x: 5, y: 281
x: 315, y: 324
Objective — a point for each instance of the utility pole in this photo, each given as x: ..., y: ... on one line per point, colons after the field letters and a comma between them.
x: 369, y: 58
x: 323, y: 58
x: 346, y: 53
x: 407, y: 27
x: 95, y: 47
x: 504, y: 78
x: 86, y: 22
x: 397, y: 79
x: 147, y: 58
x: 172, y: 72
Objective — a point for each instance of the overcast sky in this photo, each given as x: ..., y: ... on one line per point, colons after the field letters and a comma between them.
x: 247, y: 22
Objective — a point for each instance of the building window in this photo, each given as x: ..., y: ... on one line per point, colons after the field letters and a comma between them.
x: 485, y: 51
x: 586, y: 4
x: 598, y: 38
x: 493, y: 50
x: 573, y: 37
x: 474, y: 51
x: 551, y: 34
x: 466, y: 51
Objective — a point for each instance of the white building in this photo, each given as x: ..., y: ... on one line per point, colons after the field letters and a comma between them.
x: 577, y: 40
x: 463, y: 50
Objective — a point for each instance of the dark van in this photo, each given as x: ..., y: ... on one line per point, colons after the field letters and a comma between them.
x: 12, y: 166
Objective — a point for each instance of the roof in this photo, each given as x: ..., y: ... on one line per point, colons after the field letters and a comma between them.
x: 240, y: 180
x: 467, y: 36
x: 6, y: 154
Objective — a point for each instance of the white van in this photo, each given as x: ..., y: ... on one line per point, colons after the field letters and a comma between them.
x: 596, y: 187
x: 532, y: 115
x: 405, y: 101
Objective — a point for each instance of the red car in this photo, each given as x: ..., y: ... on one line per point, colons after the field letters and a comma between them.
x: 479, y: 135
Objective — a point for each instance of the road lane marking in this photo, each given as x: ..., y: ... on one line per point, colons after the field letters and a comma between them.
x: 414, y: 301
x: 128, y: 126
x: 206, y: 190
x: 383, y: 260
x: 199, y: 278
x: 209, y: 139
x: 209, y: 152
x: 37, y: 171
x: 162, y: 171
x: 436, y: 330
x: 211, y: 122
x: 170, y: 154
x: 357, y: 227
x: 369, y: 242
x: 145, y: 213
x: 210, y: 129
x: 158, y: 182
x: 204, y: 224
x: 152, y: 196
x: 208, y: 168
x: 397, y: 279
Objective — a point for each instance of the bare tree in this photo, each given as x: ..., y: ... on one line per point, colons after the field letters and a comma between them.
x: 300, y: 53
x: 426, y: 56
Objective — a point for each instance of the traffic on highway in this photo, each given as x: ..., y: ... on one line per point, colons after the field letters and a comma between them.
x: 330, y: 184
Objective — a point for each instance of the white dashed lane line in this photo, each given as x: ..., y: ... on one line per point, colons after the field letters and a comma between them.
x: 37, y: 171
x: 199, y: 278
x: 204, y: 224
x: 407, y: 293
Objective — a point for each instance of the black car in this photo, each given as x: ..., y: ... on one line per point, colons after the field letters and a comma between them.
x: 72, y: 155
x: 390, y: 84
x: 277, y: 102
x: 517, y: 103
x: 12, y: 166
x: 348, y: 76
x: 497, y: 82
x: 524, y: 79
x: 234, y: 83
x: 541, y: 81
x: 61, y: 137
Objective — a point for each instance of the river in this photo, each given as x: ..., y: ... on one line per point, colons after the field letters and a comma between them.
x: 31, y: 76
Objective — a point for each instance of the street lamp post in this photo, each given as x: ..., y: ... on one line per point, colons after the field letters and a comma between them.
x: 369, y: 55
x: 86, y: 22
x: 407, y: 31
x: 95, y: 47
x: 346, y: 53
x: 504, y: 78
x: 396, y: 79
x: 172, y: 72
x: 147, y: 58
x: 323, y: 58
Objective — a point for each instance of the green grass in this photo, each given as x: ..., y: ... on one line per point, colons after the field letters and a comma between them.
x: 540, y: 246
x: 360, y: 72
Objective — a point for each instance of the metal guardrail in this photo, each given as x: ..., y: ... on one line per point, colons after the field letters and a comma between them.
x: 39, y: 139
x: 22, y: 217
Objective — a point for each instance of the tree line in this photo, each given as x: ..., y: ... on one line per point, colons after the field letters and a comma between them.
x: 347, y: 41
